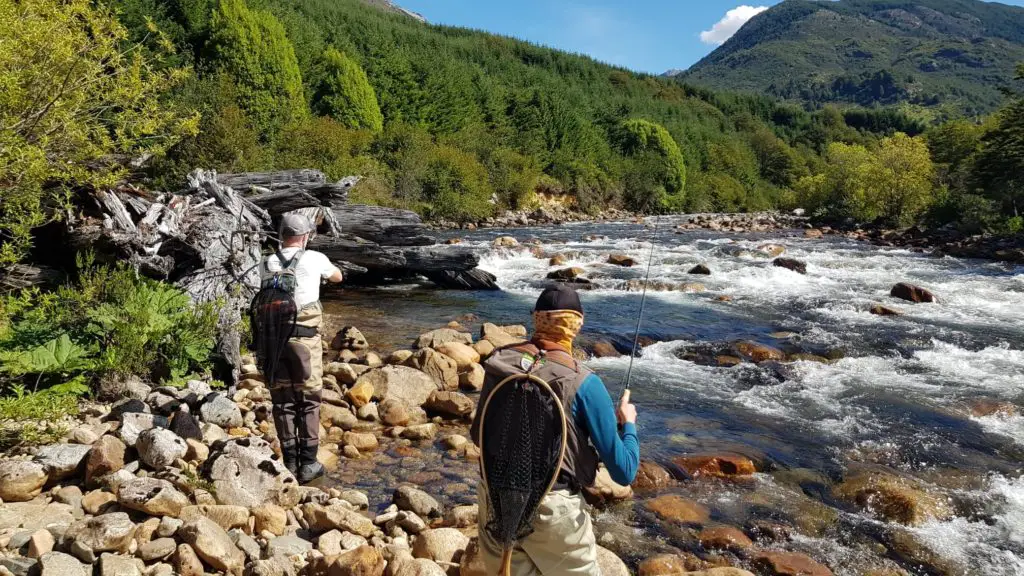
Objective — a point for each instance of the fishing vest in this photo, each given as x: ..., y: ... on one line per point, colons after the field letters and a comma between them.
x: 565, y: 376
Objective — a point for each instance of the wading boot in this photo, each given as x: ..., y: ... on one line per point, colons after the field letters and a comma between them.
x: 310, y: 468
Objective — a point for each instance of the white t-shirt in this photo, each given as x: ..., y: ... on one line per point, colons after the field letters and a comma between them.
x: 310, y: 269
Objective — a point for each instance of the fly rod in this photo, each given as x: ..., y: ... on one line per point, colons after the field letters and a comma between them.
x: 640, y: 313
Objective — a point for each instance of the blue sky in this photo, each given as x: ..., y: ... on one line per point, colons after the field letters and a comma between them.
x: 645, y: 35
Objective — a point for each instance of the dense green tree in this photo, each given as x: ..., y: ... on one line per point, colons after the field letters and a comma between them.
x: 252, y: 48
x: 999, y: 168
x: 900, y: 180
x: 455, y: 186
x: 71, y: 94
x: 346, y: 95
x: 657, y: 154
x: 777, y: 162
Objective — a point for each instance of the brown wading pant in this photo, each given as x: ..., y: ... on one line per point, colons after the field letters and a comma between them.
x: 562, y: 542
x: 297, y: 404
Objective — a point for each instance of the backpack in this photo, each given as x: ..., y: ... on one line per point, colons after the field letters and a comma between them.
x: 272, y: 318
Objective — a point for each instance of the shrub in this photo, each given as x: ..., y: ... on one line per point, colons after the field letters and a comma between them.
x: 513, y: 176
x: 345, y: 94
x: 661, y: 159
x: 455, y: 186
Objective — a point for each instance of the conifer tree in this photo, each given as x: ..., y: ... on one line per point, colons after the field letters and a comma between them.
x: 346, y: 95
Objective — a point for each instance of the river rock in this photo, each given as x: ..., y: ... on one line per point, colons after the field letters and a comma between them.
x: 159, y: 448
x: 757, y: 352
x: 21, y: 480
x: 185, y: 425
x: 245, y: 473
x: 700, y: 269
x: 604, y: 349
x: 337, y: 517
x: 790, y: 264
x: 724, y: 538
x: 61, y: 564
x: 349, y: 338
x: 420, y: 432
x: 621, y: 260
x: 409, y: 566
x: 911, y: 293
x: 452, y: 404
x: 186, y: 562
x: 610, y: 564
x: 89, y: 538
x: 879, y: 310
x: 574, y: 274
x: 152, y: 496
x: 400, y: 383
x: 789, y: 564
x: 129, y: 405
x: 213, y: 545
x: 894, y: 498
x: 40, y: 542
x: 62, y: 460
x: 410, y: 498
x: 484, y: 348
x: 96, y: 501
x: 651, y: 476
x: 227, y: 517
x: 675, y: 508
x: 362, y: 561
x: 106, y: 456
x: 462, y: 516
x: 558, y: 260
x: 463, y: 354
x: 117, y: 565
x: 440, y: 545
x: 505, y: 242
x: 132, y: 424
x: 270, y: 518
x: 159, y: 549
x: 473, y: 378
x: 393, y: 412
x: 717, y: 465
x: 288, y: 546
x: 362, y: 441
x: 220, y: 410
x: 346, y: 374
x: 442, y: 369
x: 360, y: 394
x: 435, y: 338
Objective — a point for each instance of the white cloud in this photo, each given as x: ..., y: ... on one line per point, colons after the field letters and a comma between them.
x: 732, y: 21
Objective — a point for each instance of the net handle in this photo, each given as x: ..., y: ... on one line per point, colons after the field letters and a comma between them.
x: 561, y: 412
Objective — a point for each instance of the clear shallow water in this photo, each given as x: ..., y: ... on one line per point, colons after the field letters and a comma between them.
x: 897, y: 398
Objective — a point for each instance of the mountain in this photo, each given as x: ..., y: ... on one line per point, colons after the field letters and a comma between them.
x: 390, y: 6
x: 950, y: 56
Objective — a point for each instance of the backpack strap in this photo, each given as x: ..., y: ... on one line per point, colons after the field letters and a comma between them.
x: 556, y: 355
x: 289, y: 264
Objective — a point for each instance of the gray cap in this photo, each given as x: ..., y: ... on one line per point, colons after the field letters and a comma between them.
x: 295, y: 225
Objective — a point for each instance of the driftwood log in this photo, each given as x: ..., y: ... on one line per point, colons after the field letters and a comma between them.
x: 209, y: 238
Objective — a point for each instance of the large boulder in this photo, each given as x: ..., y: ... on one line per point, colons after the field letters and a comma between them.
x: 701, y: 270
x: 463, y: 354
x: 497, y: 336
x: 451, y: 404
x: 159, y: 448
x: 21, y: 480
x: 574, y: 275
x: 413, y: 499
x: 435, y: 338
x: 62, y: 460
x: 213, y: 545
x: 105, y: 457
x: 790, y: 264
x: 337, y: 517
x: 911, y: 293
x: 222, y: 411
x: 151, y: 495
x: 400, y: 383
x: 89, y: 538
x: 717, y: 465
x: 442, y: 369
x: 245, y: 473
x: 442, y: 545
x: 894, y: 498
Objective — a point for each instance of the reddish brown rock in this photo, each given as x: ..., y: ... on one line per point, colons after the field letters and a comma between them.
x: 789, y: 564
x: 651, y: 476
x: 757, y: 352
x: 106, y: 456
x: 726, y: 361
x: 724, y: 538
x: 879, y: 310
x: 604, y: 349
x: 813, y: 233
x: 989, y: 407
x: 621, y: 260
x: 894, y: 498
x: 670, y: 565
x: 574, y: 274
x: 911, y: 293
x: 719, y: 465
x: 678, y: 509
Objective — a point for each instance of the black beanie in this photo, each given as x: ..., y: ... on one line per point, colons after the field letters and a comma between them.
x: 558, y: 297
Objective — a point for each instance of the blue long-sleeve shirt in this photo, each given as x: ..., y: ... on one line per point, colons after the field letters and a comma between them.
x: 593, y: 411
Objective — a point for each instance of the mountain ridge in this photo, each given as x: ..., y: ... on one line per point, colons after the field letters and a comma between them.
x: 950, y: 56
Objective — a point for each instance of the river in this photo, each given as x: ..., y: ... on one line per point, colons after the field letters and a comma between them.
x: 897, y: 396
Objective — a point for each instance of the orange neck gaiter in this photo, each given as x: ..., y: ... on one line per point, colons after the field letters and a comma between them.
x: 558, y: 327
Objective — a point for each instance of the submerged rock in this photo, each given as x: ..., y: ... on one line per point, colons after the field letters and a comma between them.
x: 675, y: 508
x: 717, y: 465
x: 790, y: 264
x: 651, y: 476
x: 789, y: 564
x: 700, y: 269
x: 911, y: 293
x: 894, y: 498
x: 757, y: 352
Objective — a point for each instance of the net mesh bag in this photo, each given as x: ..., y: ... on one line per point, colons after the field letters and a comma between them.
x: 523, y: 438
x: 272, y: 317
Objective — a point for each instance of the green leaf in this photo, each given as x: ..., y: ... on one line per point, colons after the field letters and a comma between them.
x: 58, y: 355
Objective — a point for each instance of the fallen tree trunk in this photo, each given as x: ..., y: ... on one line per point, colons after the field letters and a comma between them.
x: 22, y: 276
x: 386, y: 226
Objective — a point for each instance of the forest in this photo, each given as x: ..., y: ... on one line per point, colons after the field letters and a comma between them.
x: 455, y: 124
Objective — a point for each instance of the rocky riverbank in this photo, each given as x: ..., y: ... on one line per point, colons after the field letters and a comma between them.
x: 189, y: 481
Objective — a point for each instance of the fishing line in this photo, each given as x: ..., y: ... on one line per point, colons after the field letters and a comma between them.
x: 643, y: 301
